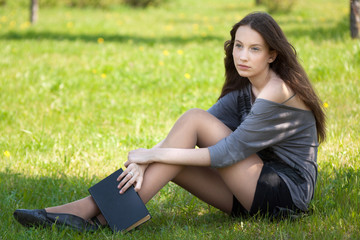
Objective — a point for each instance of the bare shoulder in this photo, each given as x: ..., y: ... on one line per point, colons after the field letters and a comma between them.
x: 277, y: 91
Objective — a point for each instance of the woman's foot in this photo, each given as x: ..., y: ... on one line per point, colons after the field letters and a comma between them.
x: 39, y: 217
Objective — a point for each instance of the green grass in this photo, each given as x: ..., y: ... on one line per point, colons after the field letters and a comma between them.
x: 71, y: 108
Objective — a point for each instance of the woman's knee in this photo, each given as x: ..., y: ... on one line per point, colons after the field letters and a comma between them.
x: 195, y: 113
x: 193, y: 117
x: 203, y: 118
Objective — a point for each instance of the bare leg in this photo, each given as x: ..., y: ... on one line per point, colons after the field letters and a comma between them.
x: 85, y: 208
x: 195, y: 127
x: 216, y: 187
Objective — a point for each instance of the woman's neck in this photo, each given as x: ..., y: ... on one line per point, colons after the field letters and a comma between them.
x: 260, y: 81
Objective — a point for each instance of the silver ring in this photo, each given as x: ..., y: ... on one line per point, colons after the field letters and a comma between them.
x: 131, y: 173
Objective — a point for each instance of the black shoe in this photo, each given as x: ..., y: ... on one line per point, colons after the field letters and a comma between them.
x: 39, y: 217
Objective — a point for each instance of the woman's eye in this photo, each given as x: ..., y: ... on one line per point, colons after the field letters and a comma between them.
x: 238, y: 45
x: 255, y: 49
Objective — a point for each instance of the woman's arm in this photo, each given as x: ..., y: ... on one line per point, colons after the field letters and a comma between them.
x: 139, y: 159
x: 179, y: 156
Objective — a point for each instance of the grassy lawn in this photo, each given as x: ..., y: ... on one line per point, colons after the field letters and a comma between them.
x: 84, y: 86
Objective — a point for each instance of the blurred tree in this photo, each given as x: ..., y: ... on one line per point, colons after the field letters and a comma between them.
x: 355, y: 18
x: 34, y: 9
x: 143, y: 3
x: 258, y: 2
x: 276, y: 6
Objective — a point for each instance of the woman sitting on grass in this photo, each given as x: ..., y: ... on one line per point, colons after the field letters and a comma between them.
x: 257, y: 146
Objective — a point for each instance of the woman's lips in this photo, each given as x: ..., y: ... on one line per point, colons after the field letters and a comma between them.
x: 243, y: 67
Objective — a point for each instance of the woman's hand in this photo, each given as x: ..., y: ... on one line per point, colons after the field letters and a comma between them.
x: 140, y: 156
x: 137, y: 162
x: 133, y: 175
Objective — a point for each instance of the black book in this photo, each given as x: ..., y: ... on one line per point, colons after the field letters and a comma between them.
x: 122, y: 211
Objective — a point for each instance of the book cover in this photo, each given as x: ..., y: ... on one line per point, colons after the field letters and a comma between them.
x: 122, y: 211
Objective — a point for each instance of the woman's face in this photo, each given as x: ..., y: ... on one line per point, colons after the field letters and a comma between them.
x: 251, y: 53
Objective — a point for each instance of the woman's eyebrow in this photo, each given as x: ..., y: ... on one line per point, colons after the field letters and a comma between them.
x: 253, y: 44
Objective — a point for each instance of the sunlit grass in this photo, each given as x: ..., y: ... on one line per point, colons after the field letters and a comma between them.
x: 84, y: 86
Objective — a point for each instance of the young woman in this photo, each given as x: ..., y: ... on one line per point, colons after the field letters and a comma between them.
x: 257, y: 146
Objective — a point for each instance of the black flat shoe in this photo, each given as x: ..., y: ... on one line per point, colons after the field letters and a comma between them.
x: 39, y: 217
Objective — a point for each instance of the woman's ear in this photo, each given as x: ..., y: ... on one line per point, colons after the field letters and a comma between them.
x: 273, y: 55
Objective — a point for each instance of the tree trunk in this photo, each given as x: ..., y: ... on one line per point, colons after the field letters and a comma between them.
x: 355, y: 18
x: 34, y: 9
x: 258, y: 2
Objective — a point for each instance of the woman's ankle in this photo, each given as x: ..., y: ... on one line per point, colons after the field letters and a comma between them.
x: 64, y: 210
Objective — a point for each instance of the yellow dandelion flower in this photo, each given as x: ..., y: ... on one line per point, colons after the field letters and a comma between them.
x: 195, y: 26
x: 7, y: 154
x: 326, y: 105
x: 180, y: 52
x: 237, y: 17
x: 3, y: 19
x: 141, y: 48
x: 169, y: 27
x: 119, y: 23
x: 211, y: 28
x: 166, y: 52
x: 25, y: 25
x: 103, y: 75
x: 187, y: 76
x: 70, y: 25
x: 161, y: 63
x: 100, y: 40
x: 94, y: 71
x: 12, y: 24
x: 203, y: 34
x: 231, y: 6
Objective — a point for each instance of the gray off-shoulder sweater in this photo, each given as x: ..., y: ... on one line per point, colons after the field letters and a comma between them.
x: 268, y: 128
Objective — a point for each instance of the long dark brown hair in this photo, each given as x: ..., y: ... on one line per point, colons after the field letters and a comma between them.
x: 286, y: 65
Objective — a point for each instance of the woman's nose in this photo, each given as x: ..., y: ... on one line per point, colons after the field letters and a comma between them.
x: 243, y: 55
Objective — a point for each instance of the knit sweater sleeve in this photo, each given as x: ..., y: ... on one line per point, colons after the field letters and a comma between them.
x: 225, y: 109
x: 266, y: 124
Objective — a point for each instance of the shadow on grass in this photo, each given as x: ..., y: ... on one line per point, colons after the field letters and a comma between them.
x: 92, y: 37
x: 316, y: 33
x: 337, y: 191
x: 20, y: 191
x: 339, y: 32
x: 36, y: 192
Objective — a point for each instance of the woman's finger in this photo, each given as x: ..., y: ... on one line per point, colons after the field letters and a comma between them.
x: 125, y: 177
x: 123, y: 174
x: 138, y: 184
x: 129, y: 183
x: 128, y: 169
x: 127, y: 163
